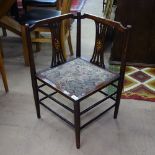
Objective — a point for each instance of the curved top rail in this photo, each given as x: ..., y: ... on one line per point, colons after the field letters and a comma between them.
x: 109, y: 22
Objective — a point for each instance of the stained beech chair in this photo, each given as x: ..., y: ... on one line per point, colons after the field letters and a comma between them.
x: 64, y: 7
x: 32, y: 16
x: 4, y: 7
x: 24, y: 4
x: 77, y: 79
x: 49, y: 4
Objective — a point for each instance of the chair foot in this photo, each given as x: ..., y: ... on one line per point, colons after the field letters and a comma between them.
x: 116, y: 108
x: 37, y: 105
x: 77, y: 136
x: 115, y: 116
x: 38, y: 116
x: 38, y: 111
x: 78, y: 146
x: 77, y: 123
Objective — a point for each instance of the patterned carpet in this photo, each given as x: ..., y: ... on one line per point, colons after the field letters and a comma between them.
x: 77, y: 5
x: 139, y: 84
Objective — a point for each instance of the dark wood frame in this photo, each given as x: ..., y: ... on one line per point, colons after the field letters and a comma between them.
x: 76, y: 111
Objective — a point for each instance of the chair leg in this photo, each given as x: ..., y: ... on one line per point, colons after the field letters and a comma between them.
x: 70, y: 44
x: 1, y: 51
x: 77, y: 123
x: 4, y: 32
x: 2, y: 70
x: 25, y: 46
x: 118, y: 97
x: 38, y: 47
x: 36, y: 97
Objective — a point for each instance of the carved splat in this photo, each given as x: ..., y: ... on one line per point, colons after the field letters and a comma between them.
x: 98, y: 55
x: 57, y: 52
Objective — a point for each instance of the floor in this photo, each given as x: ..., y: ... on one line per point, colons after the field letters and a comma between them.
x: 139, y: 83
x: 21, y: 133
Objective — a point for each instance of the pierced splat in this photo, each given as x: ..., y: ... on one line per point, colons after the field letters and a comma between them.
x: 57, y: 52
x: 98, y: 55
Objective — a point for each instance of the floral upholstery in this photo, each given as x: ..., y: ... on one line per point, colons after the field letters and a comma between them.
x: 77, y: 78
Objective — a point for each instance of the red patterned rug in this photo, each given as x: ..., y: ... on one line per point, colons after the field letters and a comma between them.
x: 77, y: 5
x: 139, y: 84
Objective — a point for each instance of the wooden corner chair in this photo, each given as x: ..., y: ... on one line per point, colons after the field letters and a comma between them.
x: 78, y: 79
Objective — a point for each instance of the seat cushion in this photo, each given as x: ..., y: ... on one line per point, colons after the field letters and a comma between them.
x: 77, y: 78
x: 37, y: 14
x: 41, y: 3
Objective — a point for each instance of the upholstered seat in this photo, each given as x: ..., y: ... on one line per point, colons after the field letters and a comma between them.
x: 41, y: 3
x: 37, y: 14
x: 77, y: 78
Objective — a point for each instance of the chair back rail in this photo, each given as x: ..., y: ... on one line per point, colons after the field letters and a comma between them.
x: 57, y: 52
x: 102, y: 26
x: 101, y: 29
x: 105, y: 21
x: 47, y: 21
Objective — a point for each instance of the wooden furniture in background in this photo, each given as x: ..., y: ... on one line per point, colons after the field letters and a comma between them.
x: 2, y: 70
x: 16, y: 24
x: 141, y: 15
x: 11, y: 24
x: 21, y: 5
x: 4, y: 7
x: 41, y: 3
x: 30, y: 4
x: 78, y: 78
x: 64, y: 7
